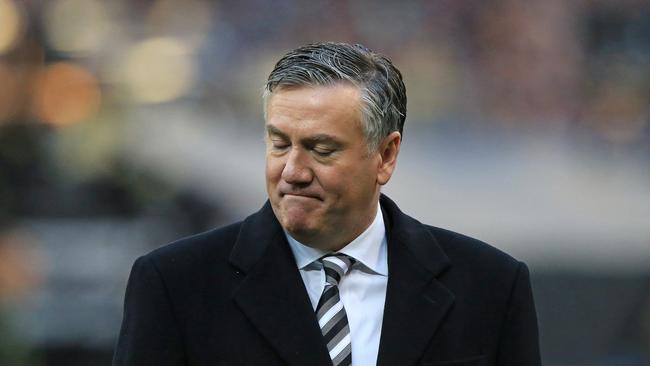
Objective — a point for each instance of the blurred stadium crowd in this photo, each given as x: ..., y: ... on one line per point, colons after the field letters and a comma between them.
x: 126, y: 124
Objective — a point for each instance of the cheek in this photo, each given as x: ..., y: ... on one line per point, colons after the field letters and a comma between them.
x: 358, y: 182
x: 273, y: 170
x: 343, y: 182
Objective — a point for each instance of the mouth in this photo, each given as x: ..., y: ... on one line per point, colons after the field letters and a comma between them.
x: 299, y: 195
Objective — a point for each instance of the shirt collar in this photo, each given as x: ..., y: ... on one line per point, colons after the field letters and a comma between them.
x: 369, y: 248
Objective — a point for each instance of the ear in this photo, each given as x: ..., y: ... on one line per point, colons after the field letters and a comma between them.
x: 388, y: 151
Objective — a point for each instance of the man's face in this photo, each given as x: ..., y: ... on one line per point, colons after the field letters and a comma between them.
x: 322, y: 182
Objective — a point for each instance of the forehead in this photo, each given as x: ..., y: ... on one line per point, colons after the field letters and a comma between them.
x: 310, y: 103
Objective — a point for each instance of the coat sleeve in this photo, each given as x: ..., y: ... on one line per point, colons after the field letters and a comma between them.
x: 149, y: 333
x: 519, y: 341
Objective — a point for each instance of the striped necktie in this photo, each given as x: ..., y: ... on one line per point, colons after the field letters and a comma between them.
x: 331, y: 315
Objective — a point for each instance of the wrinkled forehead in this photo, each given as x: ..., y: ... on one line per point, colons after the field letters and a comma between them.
x: 315, y: 98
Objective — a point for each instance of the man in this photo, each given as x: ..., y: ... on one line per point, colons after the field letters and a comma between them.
x: 329, y: 271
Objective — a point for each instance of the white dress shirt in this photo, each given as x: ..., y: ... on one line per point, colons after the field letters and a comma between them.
x: 362, y: 290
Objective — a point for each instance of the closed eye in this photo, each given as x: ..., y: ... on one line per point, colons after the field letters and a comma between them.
x: 279, y: 144
x: 324, y: 152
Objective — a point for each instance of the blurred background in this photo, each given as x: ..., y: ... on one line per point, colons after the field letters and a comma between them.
x: 127, y: 124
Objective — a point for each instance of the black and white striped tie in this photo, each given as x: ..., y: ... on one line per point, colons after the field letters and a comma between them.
x: 331, y: 315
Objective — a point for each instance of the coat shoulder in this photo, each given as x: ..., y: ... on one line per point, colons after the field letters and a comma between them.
x: 213, y: 245
x: 434, y: 242
x: 474, y: 254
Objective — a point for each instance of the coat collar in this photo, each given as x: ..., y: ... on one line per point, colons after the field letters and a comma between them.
x: 414, y: 236
x: 259, y: 230
x: 273, y: 296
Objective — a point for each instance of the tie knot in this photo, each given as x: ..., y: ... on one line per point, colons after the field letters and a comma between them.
x: 336, y: 265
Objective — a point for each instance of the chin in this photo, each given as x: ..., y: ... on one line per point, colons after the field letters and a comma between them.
x: 300, y: 228
x: 297, y: 215
x: 299, y: 221
x: 297, y: 227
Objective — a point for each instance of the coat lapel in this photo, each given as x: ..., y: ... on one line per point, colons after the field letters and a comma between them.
x: 272, y: 294
x: 416, y: 302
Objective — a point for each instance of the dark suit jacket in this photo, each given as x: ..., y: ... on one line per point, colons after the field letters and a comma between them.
x: 234, y: 296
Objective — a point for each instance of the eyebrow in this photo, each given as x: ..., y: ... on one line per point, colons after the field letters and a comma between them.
x: 309, y: 141
x: 272, y: 130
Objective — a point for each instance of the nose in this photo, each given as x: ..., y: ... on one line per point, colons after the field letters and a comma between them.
x: 297, y: 169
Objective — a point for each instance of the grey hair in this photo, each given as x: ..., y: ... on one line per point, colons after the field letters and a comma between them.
x: 383, y: 94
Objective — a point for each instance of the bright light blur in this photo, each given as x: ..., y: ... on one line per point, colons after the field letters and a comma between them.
x: 158, y: 70
x: 189, y: 20
x: 66, y: 93
x: 77, y: 26
x: 10, y: 25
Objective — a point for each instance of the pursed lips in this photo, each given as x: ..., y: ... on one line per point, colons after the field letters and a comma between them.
x: 300, y: 194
